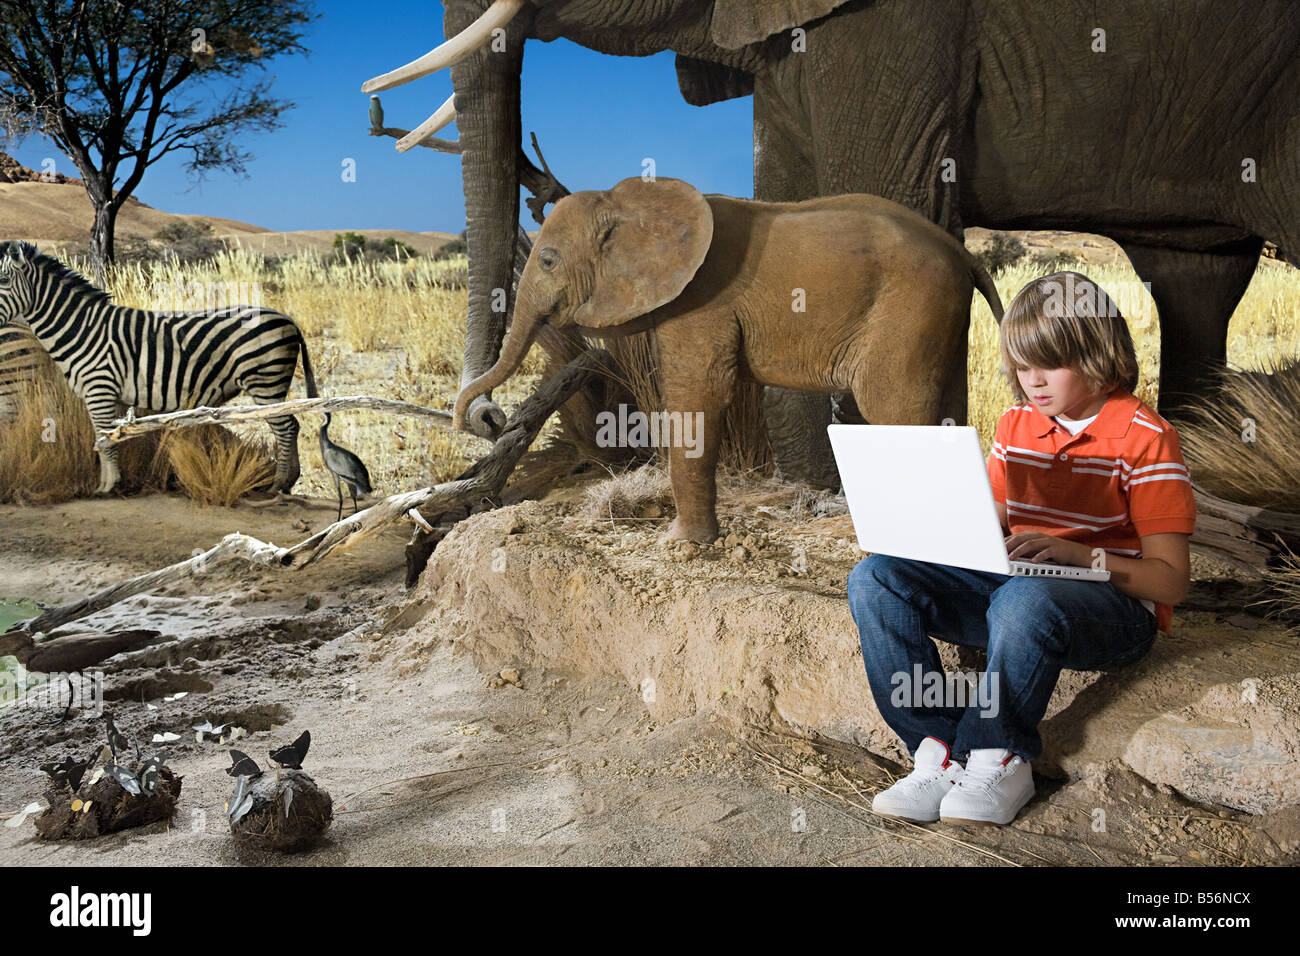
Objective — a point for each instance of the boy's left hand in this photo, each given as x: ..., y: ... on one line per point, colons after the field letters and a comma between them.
x: 1040, y: 547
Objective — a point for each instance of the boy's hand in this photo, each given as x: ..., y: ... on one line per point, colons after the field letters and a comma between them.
x: 1040, y: 547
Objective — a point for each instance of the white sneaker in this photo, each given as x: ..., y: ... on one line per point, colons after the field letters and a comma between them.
x: 917, y: 796
x: 993, y: 788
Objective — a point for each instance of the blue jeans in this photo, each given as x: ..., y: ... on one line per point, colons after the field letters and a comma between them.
x: 1031, y: 628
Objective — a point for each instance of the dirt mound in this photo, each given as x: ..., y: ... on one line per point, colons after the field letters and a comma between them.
x: 756, y: 627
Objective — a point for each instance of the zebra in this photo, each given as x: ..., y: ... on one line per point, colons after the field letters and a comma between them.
x: 22, y: 360
x: 116, y: 358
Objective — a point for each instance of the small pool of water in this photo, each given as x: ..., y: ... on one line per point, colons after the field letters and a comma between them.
x: 11, y: 672
x: 13, y: 610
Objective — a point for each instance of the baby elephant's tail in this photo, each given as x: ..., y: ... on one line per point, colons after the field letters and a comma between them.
x: 984, y: 282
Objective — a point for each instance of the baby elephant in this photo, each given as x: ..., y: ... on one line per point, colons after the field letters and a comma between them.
x: 849, y: 293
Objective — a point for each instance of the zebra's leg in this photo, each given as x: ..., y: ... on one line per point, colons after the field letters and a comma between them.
x: 103, y: 408
x: 287, y: 468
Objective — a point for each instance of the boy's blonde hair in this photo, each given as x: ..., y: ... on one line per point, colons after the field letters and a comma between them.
x: 1065, y: 320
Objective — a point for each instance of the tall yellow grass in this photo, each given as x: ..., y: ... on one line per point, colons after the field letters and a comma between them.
x: 47, y: 454
x: 397, y: 329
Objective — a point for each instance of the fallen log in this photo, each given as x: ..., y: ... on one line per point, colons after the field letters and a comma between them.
x: 1245, y: 537
x: 475, y: 490
x: 130, y: 426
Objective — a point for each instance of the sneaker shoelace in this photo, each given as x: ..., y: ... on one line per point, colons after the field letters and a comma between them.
x: 984, y: 777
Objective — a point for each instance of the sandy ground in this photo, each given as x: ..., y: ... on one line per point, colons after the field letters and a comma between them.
x: 427, y: 762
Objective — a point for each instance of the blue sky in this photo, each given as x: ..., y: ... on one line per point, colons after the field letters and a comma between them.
x: 595, y: 116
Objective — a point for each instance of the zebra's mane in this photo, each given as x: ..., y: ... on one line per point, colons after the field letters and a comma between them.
x: 64, y: 275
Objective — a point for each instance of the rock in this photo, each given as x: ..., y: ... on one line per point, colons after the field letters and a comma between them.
x: 1238, y: 746
x: 12, y: 171
x: 510, y: 675
x: 744, y: 650
x: 738, y: 553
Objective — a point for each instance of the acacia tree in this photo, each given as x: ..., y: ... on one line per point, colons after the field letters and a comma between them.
x: 119, y: 85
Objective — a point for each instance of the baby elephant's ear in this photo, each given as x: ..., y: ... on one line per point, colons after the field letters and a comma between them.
x: 654, y: 237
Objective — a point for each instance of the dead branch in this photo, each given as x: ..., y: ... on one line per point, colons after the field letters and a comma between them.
x: 476, y: 489
x: 129, y: 427
x: 1246, y: 537
x: 429, y: 142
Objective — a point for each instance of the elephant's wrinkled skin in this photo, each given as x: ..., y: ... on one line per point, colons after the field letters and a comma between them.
x: 1151, y: 142
x: 843, y: 293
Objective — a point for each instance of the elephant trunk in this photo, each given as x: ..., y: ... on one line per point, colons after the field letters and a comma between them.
x: 488, y: 122
x: 522, y: 332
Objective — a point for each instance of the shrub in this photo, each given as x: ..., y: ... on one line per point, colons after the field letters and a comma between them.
x: 452, y: 247
x: 214, y: 465
x: 1001, y: 253
x: 348, y: 245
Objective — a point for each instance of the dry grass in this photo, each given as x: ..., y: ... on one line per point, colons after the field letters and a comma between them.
x: 213, y: 465
x: 47, y: 454
x: 1242, y: 443
x: 397, y: 329
x: 628, y: 494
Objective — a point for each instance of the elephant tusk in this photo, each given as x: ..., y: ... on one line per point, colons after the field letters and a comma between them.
x: 443, y: 116
x: 450, y: 51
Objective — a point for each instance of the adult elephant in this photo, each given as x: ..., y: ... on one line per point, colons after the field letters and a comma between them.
x: 1171, y: 126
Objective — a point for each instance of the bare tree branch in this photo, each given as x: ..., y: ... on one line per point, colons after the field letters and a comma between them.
x: 476, y: 489
x: 125, y: 428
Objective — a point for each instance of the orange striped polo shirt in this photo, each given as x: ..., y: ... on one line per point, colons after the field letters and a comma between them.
x: 1122, y: 476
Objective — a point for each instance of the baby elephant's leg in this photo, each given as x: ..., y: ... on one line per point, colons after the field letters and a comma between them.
x: 699, y: 376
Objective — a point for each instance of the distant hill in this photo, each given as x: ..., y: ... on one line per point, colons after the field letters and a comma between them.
x: 57, y: 213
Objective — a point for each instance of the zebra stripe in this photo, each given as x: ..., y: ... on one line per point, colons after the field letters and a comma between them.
x: 116, y: 358
x: 22, y: 360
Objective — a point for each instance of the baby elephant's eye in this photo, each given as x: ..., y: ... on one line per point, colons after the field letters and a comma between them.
x: 548, y: 258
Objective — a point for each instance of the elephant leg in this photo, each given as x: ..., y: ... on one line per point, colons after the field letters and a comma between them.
x: 845, y: 411
x: 891, y: 125
x: 783, y: 172
x: 891, y: 85
x: 920, y: 385
x: 1195, y: 294
x: 699, y: 375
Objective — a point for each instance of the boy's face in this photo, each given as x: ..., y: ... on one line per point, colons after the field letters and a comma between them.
x: 1060, y: 391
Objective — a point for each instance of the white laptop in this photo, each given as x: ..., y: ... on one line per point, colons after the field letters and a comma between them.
x: 922, y: 492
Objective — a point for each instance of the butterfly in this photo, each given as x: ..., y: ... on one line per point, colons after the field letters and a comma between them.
x: 69, y: 772
x: 293, y: 755
x: 149, y: 773
x: 205, y: 730
x: 124, y: 777
x: 116, y: 739
x: 243, y: 765
x: 241, y: 801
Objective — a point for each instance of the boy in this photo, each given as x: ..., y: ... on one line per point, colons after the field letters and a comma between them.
x: 1083, y: 473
